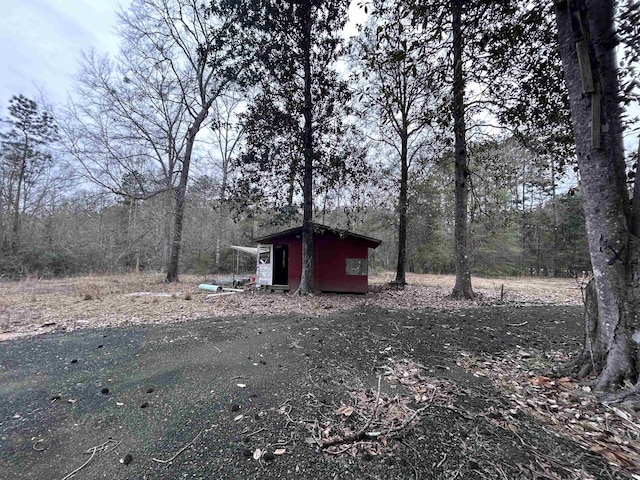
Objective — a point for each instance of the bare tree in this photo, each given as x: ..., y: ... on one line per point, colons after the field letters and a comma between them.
x: 141, y: 114
x: 228, y: 135
x: 400, y: 87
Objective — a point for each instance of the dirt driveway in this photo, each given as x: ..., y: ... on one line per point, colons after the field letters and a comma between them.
x: 364, y: 393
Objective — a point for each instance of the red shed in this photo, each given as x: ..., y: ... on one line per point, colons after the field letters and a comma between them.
x: 340, y: 259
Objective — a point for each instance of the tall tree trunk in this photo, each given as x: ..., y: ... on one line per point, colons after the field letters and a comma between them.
x: 307, y: 281
x: 293, y: 173
x: 402, y: 211
x: 587, y: 40
x: 167, y: 204
x: 462, y: 288
x: 178, y: 220
x: 553, y: 259
x: 181, y: 192
x: 15, y: 237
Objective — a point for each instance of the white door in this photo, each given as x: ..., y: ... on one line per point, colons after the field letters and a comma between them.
x: 264, y: 271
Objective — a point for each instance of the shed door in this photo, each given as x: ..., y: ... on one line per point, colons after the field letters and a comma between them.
x: 264, y: 271
x: 281, y: 264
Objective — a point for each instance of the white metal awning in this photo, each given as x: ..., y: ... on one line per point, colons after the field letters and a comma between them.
x: 250, y: 250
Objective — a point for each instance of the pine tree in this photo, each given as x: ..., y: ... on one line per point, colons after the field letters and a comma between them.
x: 24, y: 154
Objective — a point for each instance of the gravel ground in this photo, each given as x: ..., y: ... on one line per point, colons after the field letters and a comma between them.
x: 342, y: 388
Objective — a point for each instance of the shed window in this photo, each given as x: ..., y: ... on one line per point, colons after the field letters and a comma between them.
x: 357, y: 266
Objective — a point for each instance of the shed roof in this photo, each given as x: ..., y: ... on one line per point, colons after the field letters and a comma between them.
x: 319, y: 229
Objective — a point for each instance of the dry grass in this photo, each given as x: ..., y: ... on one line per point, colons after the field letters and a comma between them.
x: 554, y: 290
x: 89, y: 291
x: 34, y: 306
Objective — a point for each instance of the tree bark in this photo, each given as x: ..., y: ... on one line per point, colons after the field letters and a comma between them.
x: 307, y: 280
x: 15, y: 237
x: 462, y: 288
x: 590, y: 359
x: 402, y: 210
x: 181, y: 192
x: 587, y: 25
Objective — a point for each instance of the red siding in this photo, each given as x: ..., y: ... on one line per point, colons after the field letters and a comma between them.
x: 295, y: 263
x: 331, y: 253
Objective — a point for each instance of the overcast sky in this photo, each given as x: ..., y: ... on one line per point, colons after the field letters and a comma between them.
x: 42, y: 40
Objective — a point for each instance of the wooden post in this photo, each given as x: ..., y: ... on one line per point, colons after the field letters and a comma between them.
x: 584, y: 61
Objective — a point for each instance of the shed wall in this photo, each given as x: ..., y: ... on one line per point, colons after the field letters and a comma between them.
x: 295, y: 259
x: 331, y: 255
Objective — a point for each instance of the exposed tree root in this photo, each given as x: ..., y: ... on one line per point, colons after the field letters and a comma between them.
x: 616, y: 374
x: 628, y: 398
x: 397, y: 285
x: 590, y: 360
x: 578, y: 367
x: 462, y: 295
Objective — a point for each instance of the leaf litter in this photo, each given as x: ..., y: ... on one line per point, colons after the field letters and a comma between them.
x: 367, y: 423
x: 566, y: 404
x: 35, y: 305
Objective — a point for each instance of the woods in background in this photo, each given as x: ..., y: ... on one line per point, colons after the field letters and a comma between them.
x: 185, y: 143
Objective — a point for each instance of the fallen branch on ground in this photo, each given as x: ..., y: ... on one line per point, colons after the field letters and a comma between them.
x: 363, y: 434
x: 179, y: 451
x: 81, y: 467
x: 99, y: 448
x: 517, y: 324
x: 360, y: 434
x: 35, y: 446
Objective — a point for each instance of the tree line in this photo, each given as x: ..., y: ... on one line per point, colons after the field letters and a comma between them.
x: 518, y: 226
x: 443, y: 126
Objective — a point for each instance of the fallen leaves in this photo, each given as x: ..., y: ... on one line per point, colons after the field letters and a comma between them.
x: 382, y: 415
x: 345, y: 410
x: 564, y: 403
x: 37, y: 306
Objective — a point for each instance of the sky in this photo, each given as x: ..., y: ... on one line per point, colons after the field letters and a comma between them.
x: 41, y: 42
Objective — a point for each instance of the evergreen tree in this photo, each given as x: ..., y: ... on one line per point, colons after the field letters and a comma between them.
x: 30, y: 129
x: 297, y: 116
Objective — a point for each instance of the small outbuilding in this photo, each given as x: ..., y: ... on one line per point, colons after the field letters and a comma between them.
x: 341, y: 259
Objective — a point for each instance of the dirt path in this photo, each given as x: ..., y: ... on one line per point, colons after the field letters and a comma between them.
x: 277, y: 397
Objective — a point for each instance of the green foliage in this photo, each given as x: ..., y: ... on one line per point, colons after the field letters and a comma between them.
x: 430, y: 230
x: 24, y: 160
x: 496, y: 249
x: 572, y: 246
x: 204, y: 263
x: 300, y: 95
x: 139, y: 108
x: 629, y: 34
x: 48, y: 262
x: 39, y: 261
x: 434, y: 257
